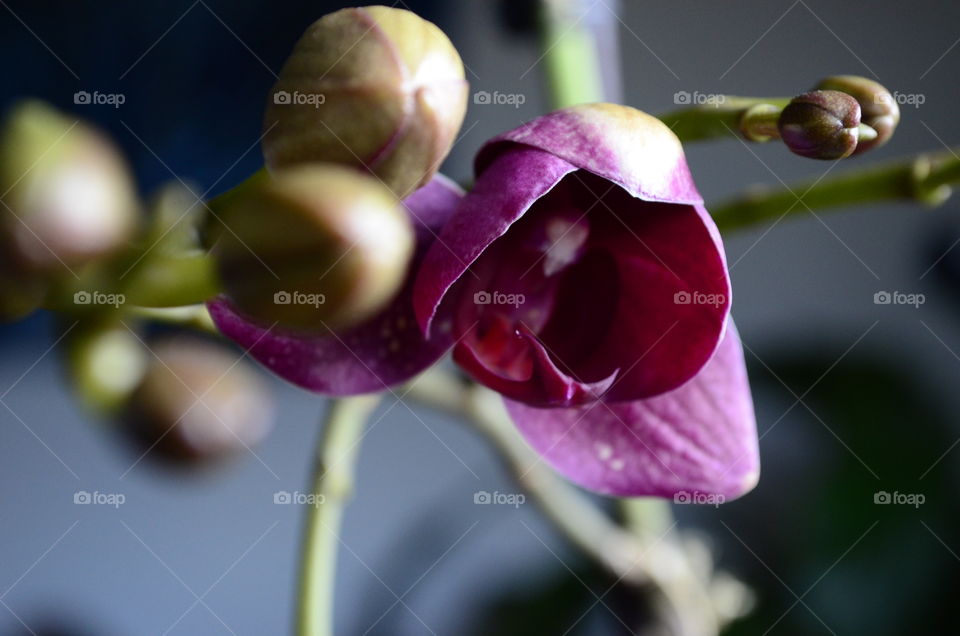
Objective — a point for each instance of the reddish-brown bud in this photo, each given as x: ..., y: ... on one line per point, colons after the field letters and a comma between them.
x: 196, y: 401
x: 821, y: 125
x: 879, y: 109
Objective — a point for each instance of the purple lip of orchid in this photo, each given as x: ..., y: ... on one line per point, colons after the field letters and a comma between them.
x: 700, y: 439
x: 581, y: 278
x: 582, y: 266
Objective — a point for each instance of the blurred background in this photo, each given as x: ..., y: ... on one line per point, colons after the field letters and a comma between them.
x: 853, y: 398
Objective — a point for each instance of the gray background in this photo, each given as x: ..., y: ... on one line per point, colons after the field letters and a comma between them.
x: 807, y: 283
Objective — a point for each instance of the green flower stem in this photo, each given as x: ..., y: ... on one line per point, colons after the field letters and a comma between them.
x: 925, y: 178
x: 173, y: 281
x: 575, y: 515
x: 156, y: 281
x: 751, y: 118
x: 332, y: 486
x: 570, y: 54
x: 190, y: 316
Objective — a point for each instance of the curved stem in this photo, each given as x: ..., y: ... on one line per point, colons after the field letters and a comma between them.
x: 331, y: 487
x: 925, y: 178
x: 652, y: 559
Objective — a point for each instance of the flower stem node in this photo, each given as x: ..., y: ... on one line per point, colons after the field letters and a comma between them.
x: 879, y: 110
x: 20, y: 292
x: 68, y: 196
x: 197, y: 402
x: 374, y: 87
x: 313, y: 248
x: 821, y: 124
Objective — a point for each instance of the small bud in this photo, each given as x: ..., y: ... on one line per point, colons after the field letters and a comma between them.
x: 821, y: 125
x: 313, y: 247
x: 879, y: 109
x: 376, y: 88
x: 106, y: 363
x: 197, y: 402
x: 69, y: 198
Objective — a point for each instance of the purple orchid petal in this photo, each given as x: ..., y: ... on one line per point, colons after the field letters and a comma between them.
x: 618, y: 143
x: 386, y: 350
x: 505, y: 193
x: 699, y: 438
x: 590, y: 217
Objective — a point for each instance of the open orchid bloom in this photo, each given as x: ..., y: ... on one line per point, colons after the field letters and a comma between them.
x: 582, y: 279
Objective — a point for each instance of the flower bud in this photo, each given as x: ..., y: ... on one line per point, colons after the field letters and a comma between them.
x: 312, y: 247
x: 196, y: 401
x: 821, y: 125
x: 879, y: 109
x: 69, y: 198
x: 376, y: 88
x: 106, y: 362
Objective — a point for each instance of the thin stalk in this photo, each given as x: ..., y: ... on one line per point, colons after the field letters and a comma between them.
x: 331, y: 487
x: 925, y: 178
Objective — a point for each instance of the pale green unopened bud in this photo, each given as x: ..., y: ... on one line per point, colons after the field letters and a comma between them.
x: 106, y: 363
x: 313, y: 247
x: 69, y: 198
x: 376, y: 88
x: 196, y: 401
x: 879, y: 109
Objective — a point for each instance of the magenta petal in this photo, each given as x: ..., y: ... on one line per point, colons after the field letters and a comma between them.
x: 699, y: 438
x: 384, y: 351
x: 628, y: 147
x: 674, y: 298
x: 508, y: 188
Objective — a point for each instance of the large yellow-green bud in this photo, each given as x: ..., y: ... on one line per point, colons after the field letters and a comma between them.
x: 312, y: 247
x: 377, y: 88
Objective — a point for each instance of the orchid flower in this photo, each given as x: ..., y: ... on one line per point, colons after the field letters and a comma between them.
x: 581, y: 278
